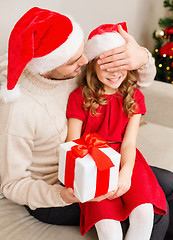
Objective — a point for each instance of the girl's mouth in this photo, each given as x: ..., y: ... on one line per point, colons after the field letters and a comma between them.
x: 114, y: 79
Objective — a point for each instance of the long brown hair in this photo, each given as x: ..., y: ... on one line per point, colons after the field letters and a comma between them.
x: 94, y: 89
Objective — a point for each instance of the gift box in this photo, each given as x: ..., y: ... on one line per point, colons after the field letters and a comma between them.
x: 89, y: 166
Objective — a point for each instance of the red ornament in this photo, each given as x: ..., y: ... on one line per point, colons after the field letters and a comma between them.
x: 168, y: 31
x: 167, y: 49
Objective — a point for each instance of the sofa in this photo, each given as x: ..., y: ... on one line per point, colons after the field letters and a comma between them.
x: 155, y: 141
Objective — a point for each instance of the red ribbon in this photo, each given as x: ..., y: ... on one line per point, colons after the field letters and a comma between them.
x: 90, y: 143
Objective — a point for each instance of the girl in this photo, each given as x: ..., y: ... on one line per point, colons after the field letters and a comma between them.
x: 109, y: 104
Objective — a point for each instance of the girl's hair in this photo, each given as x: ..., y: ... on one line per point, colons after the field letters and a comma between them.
x: 94, y: 89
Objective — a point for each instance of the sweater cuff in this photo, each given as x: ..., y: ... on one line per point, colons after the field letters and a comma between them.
x: 150, y: 60
x: 59, y: 202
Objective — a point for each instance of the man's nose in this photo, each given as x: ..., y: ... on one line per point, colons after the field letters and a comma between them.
x: 83, y: 60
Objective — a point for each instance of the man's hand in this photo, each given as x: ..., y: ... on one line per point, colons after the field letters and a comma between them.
x: 129, y: 56
x: 67, y: 195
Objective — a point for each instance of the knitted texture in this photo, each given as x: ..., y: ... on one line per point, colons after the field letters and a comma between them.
x: 31, y: 130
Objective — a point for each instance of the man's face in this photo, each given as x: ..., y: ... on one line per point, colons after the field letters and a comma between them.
x: 71, y: 68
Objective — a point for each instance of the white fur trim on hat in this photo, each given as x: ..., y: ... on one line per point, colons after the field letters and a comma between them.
x: 9, y: 95
x: 101, y: 43
x: 60, y: 55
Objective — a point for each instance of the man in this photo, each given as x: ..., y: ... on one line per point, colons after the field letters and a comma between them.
x: 45, y: 54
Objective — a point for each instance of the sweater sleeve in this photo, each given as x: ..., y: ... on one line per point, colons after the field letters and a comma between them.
x: 16, y: 181
x: 17, y: 165
x: 145, y: 75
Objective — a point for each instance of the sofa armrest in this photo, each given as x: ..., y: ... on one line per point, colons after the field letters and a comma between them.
x: 159, y: 103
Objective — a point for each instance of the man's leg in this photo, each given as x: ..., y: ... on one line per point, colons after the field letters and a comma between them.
x: 169, y: 234
x: 165, y: 179
x: 68, y: 215
x: 160, y: 226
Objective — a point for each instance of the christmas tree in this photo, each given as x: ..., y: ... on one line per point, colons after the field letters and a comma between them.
x: 163, y: 51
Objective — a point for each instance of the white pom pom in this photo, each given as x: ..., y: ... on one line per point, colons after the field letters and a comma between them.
x: 9, y: 95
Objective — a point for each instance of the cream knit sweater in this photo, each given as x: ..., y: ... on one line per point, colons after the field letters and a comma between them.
x: 31, y: 130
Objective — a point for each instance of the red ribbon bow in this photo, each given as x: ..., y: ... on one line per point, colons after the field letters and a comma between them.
x: 90, y: 143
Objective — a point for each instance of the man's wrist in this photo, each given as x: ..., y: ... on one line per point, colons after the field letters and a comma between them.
x: 148, y: 58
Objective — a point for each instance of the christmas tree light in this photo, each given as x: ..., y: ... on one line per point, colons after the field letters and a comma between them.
x: 163, y: 51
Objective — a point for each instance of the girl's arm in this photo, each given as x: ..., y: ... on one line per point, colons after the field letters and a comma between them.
x: 74, y: 129
x: 73, y: 132
x: 128, y: 155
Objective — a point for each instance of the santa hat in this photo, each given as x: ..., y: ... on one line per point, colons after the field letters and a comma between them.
x: 104, y: 38
x: 41, y: 40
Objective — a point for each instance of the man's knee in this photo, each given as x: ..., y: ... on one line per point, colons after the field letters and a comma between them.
x: 161, y: 223
x: 165, y: 179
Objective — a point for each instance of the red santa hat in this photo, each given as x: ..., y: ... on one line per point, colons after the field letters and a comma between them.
x: 104, y: 38
x: 41, y: 41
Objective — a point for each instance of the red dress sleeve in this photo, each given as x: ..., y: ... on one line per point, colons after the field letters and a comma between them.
x: 75, y: 105
x: 140, y: 100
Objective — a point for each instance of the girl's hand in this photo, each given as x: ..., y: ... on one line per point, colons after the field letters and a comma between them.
x: 129, y: 56
x: 67, y: 195
x: 124, y: 183
x: 103, y: 197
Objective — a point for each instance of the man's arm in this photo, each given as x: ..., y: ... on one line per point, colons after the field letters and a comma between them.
x: 16, y: 160
x: 146, y: 74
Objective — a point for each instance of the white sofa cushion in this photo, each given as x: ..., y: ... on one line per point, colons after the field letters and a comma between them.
x: 156, y: 144
x: 159, y: 99
x: 17, y: 224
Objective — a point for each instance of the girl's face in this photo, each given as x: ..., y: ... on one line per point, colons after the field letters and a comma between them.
x: 110, y: 80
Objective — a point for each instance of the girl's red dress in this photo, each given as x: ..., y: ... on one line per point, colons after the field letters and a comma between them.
x: 111, y: 124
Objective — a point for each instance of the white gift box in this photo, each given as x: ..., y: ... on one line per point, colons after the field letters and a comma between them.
x: 86, y: 171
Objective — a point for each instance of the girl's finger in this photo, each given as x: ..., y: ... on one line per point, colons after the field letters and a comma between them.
x: 119, y: 193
